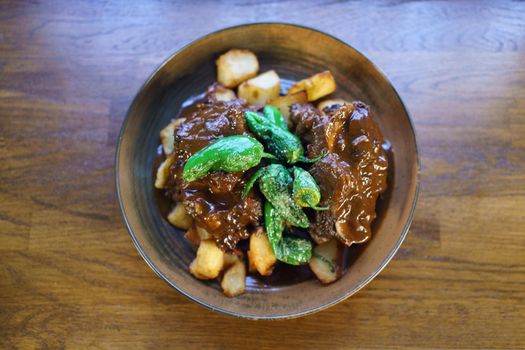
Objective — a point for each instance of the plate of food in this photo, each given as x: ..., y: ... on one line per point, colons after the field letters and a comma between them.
x: 267, y: 171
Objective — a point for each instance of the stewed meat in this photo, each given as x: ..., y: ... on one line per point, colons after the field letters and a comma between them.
x: 351, y: 176
x: 213, y: 201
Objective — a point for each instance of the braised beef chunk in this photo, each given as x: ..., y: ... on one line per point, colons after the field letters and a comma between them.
x: 205, y: 122
x: 332, y: 108
x: 213, y: 201
x: 215, y: 204
x: 338, y: 185
x: 351, y: 176
x: 304, y: 117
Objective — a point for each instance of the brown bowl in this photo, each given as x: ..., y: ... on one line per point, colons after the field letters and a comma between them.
x: 294, y: 52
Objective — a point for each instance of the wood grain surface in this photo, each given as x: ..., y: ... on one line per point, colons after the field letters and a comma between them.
x: 70, y: 276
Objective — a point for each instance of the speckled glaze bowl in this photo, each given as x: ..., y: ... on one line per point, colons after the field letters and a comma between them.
x: 294, y: 52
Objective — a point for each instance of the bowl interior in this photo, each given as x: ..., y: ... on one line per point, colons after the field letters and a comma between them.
x: 294, y: 52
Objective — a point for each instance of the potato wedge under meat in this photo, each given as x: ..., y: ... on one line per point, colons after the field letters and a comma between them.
x: 324, y: 262
x: 236, y: 66
x: 316, y: 86
x: 283, y: 103
x: 261, y: 89
x: 167, y: 136
x: 260, y: 255
x: 179, y: 218
x: 331, y: 104
x: 163, y: 172
x: 233, y: 281
x: 209, y: 261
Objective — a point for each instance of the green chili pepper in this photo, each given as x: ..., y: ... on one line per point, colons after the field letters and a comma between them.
x: 252, y: 181
x: 291, y: 250
x: 296, y: 251
x: 231, y: 154
x: 312, y: 160
x: 306, y: 192
x: 275, y: 183
x: 275, y: 116
x: 285, y: 145
x: 274, y: 223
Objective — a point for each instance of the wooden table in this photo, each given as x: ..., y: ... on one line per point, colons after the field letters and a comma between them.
x: 70, y: 276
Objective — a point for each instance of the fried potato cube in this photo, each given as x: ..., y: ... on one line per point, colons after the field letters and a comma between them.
x: 331, y: 104
x: 325, y: 268
x: 236, y: 66
x: 224, y: 94
x: 251, y: 266
x: 261, y: 89
x: 167, y: 136
x: 179, y: 218
x: 234, y: 279
x: 230, y: 259
x: 316, y: 86
x: 163, y: 172
x: 260, y: 254
x: 209, y: 261
x: 220, y: 93
x: 203, y: 233
x: 283, y: 103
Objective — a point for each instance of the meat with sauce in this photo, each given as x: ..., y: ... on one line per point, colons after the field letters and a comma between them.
x: 353, y: 173
x: 214, y: 201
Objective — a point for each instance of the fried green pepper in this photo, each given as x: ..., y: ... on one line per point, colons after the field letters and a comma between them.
x: 280, y: 142
x: 274, y: 115
x: 231, y: 154
x: 306, y: 192
x: 274, y: 224
x: 291, y: 250
x: 275, y: 183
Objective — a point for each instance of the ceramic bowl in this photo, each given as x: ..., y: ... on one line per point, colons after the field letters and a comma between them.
x: 295, y: 52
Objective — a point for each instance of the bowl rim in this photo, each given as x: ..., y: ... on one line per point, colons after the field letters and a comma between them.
x: 249, y: 316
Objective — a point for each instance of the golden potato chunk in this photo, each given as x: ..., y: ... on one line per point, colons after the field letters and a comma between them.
x: 234, y: 279
x: 221, y: 93
x: 261, y: 89
x: 209, y: 261
x: 167, y: 136
x: 331, y: 103
x: 163, y: 172
x: 316, y: 86
x: 260, y: 255
x: 230, y: 259
x: 236, y: 66
x: 324, y: 262
x: 179, y: 218
x: 283, y: 103
x: 203, y: 233
x: 251, y: 266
